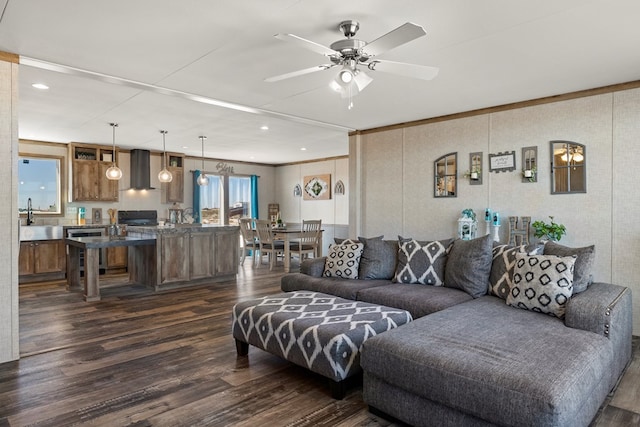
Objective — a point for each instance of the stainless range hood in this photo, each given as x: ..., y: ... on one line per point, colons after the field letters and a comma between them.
x: 140, y: 170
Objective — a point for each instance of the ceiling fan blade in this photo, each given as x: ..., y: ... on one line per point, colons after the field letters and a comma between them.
x: 307, y: 44
x: 299, y: 73
x: 423, y: 72
x: 401, y: 35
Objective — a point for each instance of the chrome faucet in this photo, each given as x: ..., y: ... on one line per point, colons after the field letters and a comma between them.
x: 29, y: 212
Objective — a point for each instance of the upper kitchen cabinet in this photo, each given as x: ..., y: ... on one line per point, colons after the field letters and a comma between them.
x: 88, y: 167
x: 173, y: 192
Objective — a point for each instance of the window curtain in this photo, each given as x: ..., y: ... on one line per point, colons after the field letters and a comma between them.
x: 254, y: 196
x: 196, y: 197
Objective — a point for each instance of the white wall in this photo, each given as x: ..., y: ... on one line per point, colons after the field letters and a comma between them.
x: 9, y: 341
x: 395, y: 175
x: 334, y: 212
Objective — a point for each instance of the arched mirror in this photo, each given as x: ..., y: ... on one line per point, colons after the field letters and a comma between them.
x: 446, y: 176
x: 568, y: 167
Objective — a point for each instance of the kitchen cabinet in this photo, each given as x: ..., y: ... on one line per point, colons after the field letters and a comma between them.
x: 202, y: 251
x: 173, y: 192
x: 227, y: 257
x: 117, y: 259
x: 89, y: 182
x: 41, y: 260
x: 174, y: 255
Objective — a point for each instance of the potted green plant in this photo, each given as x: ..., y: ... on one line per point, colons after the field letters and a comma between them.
x: 473, y: 174
x: 552, y: 231
x: 530, y: 174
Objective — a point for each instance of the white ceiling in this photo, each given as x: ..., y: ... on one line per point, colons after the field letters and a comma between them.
x: 490, y: 52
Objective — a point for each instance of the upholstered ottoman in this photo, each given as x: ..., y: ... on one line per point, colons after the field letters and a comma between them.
x: 320, y: 332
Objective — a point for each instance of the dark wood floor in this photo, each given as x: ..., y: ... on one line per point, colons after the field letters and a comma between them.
x: 144, y: 359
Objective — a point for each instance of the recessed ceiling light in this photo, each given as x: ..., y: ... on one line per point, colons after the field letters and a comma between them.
x: 185, y: 147
x: 40, y: 86
x: 252, y: 157
x: 265, y: 127
x: 303, y: 149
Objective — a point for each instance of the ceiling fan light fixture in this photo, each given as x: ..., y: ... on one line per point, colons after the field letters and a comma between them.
x: 361, y: 80
x: 345, y: 75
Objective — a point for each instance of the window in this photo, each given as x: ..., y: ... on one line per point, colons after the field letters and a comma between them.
x: 239, y: 198
x: 39, y: 179
x: 568, y: 167
x: 212, y: 199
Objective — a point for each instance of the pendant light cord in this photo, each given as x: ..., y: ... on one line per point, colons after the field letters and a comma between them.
x: 114, y: 126
x: 164, y: 149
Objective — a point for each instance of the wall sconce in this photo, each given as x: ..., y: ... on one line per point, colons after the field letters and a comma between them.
x: 529, y: 164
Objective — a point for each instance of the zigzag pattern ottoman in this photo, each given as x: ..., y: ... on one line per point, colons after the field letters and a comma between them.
x: 320, y: 332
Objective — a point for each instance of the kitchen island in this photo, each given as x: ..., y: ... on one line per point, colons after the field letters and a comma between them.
x: 90, y: 247
x: 184, y: 255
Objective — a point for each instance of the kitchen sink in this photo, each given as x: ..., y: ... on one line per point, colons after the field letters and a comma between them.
x: 41, y: 232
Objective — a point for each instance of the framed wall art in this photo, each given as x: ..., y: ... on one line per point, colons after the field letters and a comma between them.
x: 317, y: 187
x: 502, y: 162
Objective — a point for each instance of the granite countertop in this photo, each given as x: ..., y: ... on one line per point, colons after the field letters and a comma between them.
x: 181, y: 228
x: 107, y: 242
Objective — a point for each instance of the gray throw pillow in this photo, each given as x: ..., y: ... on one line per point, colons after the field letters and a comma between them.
x: 378, y: 259
x: 584, y: 263
x: 421, y: 263
x: 504, y: 260
x: 469, y: 265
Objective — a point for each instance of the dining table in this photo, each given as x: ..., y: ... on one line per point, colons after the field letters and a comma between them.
x: 288, y: 235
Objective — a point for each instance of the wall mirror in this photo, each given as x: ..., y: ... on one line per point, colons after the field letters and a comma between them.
x: 568, y: 167
x: 529, y: 164
x: 475, y: 168
x: 446, y: 176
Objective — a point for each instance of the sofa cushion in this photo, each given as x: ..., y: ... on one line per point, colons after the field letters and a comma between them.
x: 504, y: 259
x: 469, y: 265
x: 343, y: 260
x: 378, y: 258
x: 421, y: 263
x: 584, y: 263
x: 494, y: 362
x: 344, y: 288
x: 542, y: 283
x: 419, y: 300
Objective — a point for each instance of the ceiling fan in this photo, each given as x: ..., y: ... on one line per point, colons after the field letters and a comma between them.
x: 354, y: 55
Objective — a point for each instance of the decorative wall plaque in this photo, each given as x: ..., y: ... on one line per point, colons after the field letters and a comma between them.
x: 317, y: 187
x: 502, y: 162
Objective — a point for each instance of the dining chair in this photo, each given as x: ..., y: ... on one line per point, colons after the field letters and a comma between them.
x: 309, y: 242
x: 249, y: 240
x: 268, y: 245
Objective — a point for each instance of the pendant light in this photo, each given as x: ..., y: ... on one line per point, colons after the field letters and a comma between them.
x: 203, y: 179
x: 164, y: 175
x: 114, y: 172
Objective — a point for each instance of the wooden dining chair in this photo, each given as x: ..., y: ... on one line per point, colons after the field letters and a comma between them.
x: 268, y: 245
x: 310, y: 240
x: 249, y: 240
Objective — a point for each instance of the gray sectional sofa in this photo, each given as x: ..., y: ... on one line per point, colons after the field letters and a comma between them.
x: 487, y: 346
